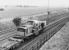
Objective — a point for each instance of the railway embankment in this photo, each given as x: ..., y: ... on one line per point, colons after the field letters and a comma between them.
x: 60, y: 41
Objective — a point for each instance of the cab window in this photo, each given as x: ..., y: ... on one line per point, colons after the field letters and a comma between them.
x: 21, y: 29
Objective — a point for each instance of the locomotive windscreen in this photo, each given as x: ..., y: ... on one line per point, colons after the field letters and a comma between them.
x: 21, y: 29
x: 30, y: 22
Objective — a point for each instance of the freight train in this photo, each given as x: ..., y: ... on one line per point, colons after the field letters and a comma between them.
x: 31, y: 27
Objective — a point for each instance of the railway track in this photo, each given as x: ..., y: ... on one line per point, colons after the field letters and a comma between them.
x: 35, y: 42
x: 6, y: 33
x: 49, y: 26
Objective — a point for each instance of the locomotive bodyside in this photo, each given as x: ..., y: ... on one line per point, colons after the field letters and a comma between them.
x: 31, y: 27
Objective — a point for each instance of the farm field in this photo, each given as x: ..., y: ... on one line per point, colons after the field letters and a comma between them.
x: 17, y: 12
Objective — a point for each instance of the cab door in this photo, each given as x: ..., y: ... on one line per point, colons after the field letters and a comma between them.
x: 28, y: 32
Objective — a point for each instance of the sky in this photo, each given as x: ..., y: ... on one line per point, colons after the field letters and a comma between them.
x: 52, y: 3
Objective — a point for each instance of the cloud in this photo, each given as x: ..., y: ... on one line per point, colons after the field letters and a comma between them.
x: 59, y: 3
x: 53, y: 3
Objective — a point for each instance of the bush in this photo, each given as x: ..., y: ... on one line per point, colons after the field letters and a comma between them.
x: 17, y: 21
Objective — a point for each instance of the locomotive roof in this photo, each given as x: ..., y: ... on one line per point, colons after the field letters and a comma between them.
x: 26, y: 26
x: 36, y: 21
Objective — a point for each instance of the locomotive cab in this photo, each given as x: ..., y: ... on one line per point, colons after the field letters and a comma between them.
x: 26, y: 29
x: 33, y: 22
x: 37, y: 23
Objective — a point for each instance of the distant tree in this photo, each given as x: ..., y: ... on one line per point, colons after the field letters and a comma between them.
x: 17, y: 21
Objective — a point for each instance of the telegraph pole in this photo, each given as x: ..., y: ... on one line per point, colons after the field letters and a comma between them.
x: 48, y: 7
x: 48, y: 10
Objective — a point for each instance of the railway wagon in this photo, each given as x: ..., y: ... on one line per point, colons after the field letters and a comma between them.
x: 8, y: 44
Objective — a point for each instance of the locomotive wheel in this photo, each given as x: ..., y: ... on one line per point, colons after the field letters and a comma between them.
x: 11, y: 48
x: 37, y: 33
